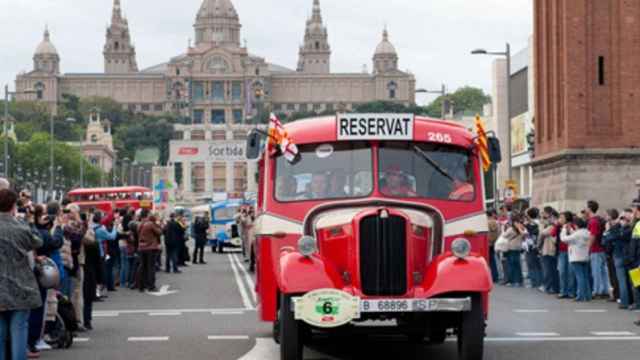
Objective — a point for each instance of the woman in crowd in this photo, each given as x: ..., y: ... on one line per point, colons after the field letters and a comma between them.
x: 576, y: 236
x: 515, y: 234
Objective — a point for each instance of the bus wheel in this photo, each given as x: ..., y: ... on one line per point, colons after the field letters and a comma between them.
x: 290, y: 331
x: 471, y: 332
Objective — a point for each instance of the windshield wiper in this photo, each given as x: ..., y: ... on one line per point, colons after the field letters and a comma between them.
x: 433, y: 163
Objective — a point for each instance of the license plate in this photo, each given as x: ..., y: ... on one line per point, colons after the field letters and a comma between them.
x: 396, y: 305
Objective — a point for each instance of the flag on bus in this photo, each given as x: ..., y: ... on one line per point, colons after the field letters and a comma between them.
x: 280, y: 140
x: 483, y: 144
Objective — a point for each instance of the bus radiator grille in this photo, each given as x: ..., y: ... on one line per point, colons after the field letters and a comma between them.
x: 383, y: 256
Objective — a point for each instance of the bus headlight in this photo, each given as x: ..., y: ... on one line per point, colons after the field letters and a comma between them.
x: 307, y: 245
x: 461, y: 248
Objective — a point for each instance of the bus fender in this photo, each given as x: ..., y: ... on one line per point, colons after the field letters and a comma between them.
x: 447, y: 274
x: 300, y: 274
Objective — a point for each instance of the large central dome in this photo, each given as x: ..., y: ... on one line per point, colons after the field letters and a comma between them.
x: 217, y: 22
x: 217, y: 8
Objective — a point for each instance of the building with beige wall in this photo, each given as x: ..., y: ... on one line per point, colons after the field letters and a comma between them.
x: 217, y: 86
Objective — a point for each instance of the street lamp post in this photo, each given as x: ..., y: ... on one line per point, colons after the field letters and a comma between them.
x: 5, y: 132
x: 5, y: 125
x: 507, y: 55
x: 442, y: 92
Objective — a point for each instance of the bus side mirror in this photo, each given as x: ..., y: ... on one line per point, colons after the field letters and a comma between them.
x: 254, y: 145
x: 495, y: 154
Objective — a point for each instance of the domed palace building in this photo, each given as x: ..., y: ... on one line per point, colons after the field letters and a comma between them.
x: 219, y: 89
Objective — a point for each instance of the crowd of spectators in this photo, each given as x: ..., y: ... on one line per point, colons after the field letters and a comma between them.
x: 581, y: 257
x: 54, y: 257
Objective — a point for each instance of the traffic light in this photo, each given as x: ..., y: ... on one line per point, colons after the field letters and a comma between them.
x: 483, y: 146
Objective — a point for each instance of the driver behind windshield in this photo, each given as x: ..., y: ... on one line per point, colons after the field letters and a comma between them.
x: 318, y: 187
x: 396, y: 183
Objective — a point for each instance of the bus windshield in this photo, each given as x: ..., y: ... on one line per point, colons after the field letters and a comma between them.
x: 422, y: 170
x: 326, y: 171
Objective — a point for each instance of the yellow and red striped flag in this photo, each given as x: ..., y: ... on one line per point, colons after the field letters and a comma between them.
x: 483, y: 144
x: 280, y: 140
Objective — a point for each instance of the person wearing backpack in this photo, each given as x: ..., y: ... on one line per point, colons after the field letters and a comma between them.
x: 598, y: 257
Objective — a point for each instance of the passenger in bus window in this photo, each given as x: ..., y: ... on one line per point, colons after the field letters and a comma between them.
x: 287, y: 188
x: 396, y: 183
x: 337, y: 184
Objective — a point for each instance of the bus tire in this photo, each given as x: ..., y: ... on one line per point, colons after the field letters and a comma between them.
x: 290, y: 331
x: 471, y: 331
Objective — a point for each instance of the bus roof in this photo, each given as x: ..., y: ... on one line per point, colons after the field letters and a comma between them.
x: 110, y: 190
x: 324, y: 129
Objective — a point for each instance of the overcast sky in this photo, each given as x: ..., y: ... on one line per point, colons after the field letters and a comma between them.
x: 433, y: 37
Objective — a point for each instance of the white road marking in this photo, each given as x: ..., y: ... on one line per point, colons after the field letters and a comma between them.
x: 560, y: 339
x: 613, y: 333
x: 166, y: 313
x: 148, y: 338
x: 164, y: 291
x: 537, y: 334
x: 227, y: 313
x: 533, y: 311
x: 266, y: 348
x: 79, y: 339
x: 228, y: 337
x: 146, y: 311
x: 248, y: 278
x: 591, y: 311
x: 106, y: 314
x: 243, y: 292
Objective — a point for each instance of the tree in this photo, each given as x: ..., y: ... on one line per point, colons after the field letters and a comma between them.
x: 109, y: 109
x: 31, y: 168
x: 389, y: 107
x: 465, y: 99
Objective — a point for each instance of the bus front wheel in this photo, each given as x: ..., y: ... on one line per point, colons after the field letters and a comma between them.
x: 471, y: 331
x: 290, y: 331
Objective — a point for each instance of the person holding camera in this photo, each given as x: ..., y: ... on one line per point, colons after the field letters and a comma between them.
x: 615, y: 238
x: 18, y: 286
x: 576, y: 235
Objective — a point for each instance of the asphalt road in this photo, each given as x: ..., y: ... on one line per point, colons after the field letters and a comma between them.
x: 209, y: 313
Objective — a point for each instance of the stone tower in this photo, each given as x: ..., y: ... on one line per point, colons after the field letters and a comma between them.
x: 119, y: 52
x: 218, y: 22
x: 46, y: 58
x: 385, y: 58
x: 315, y: 54
x: 587, y: 102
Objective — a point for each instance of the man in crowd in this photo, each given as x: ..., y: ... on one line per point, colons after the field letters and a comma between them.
x: 17, y: 299
x: 598, y: 257
x: 172, y: 244
x: 494, y: 232
x: 149, y: 247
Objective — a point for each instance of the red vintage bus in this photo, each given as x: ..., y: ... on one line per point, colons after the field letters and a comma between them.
x: 109, y: 199
x: 379, y: 217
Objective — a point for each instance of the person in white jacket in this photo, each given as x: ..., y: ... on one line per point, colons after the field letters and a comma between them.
x: 577, y: 237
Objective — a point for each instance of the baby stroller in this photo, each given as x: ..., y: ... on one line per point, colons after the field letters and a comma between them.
x: 59, y: 333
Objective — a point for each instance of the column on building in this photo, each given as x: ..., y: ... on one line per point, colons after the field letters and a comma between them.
x: 186, y: 177
x: 230, y: 176
x: 208, y: 177
x: 252, y: 169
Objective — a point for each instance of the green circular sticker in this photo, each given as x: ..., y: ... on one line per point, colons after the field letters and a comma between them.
x: 327, y: 308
